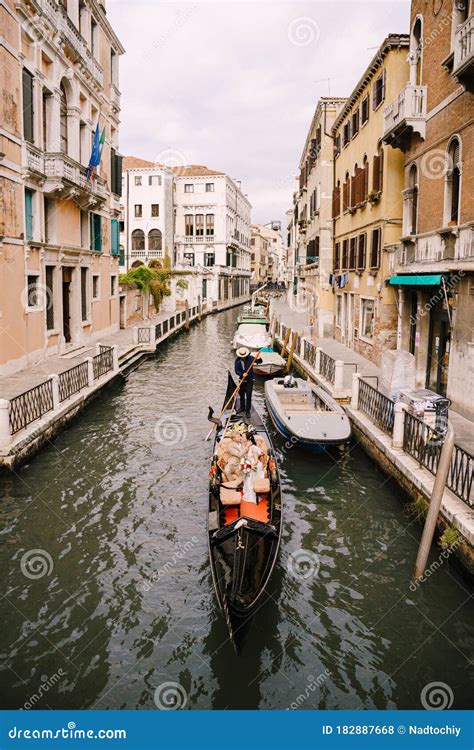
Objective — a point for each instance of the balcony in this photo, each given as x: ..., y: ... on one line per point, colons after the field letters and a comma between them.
x: 441, y: 251
x: 66, y: 177
x: 200, y: 239
x: 405, y: 116
x: 463, y: 64
x: 114, y: 97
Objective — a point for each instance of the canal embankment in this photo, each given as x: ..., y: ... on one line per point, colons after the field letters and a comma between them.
x: 38, y: 402
x: 404, y: 446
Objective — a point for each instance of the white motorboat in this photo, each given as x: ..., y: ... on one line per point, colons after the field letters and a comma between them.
x: 251, y: 336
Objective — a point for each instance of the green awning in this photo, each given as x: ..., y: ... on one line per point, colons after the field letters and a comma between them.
x: 432, y: 279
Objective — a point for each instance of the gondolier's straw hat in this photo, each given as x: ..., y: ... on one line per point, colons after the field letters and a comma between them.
x: 242, y: 352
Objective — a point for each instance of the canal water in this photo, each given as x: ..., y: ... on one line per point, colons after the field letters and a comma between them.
x: 107, y: 588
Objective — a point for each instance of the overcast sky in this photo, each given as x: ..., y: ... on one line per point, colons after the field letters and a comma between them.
x: 233, y: 85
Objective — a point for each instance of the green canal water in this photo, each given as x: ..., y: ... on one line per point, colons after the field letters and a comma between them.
x: 117, y: 600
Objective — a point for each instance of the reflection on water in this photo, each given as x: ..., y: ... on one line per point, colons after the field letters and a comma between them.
x: 117, y: 506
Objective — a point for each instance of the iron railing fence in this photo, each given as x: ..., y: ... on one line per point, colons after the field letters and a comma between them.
x: 73, y: 380
x: 165, y: 327
x: 158, y: 331
x: 143, y: 335
x: 424, y: 444
x: 377, y: 406
x: 309, y: 353
x: 30, y: 405
x: 327, y: 367
x: 102, y: 363
x: 298, y: 344
x: 284, y: 330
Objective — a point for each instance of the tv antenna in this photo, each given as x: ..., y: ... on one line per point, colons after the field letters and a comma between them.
x: 328, y: 80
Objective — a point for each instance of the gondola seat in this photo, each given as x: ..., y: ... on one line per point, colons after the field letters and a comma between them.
x: 230, y: 496
x: 261, y: 485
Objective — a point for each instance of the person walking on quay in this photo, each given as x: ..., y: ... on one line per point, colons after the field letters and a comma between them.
x: 244, y: 369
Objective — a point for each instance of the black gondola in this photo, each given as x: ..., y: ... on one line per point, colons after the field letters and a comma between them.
x: 244, y: 538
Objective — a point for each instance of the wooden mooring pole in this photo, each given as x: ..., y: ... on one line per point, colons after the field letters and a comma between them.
x: 292, y: 351
x: 285, y: 342
x: 435, y: 504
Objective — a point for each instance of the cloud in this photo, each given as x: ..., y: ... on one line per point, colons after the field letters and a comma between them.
x: 234, y: 84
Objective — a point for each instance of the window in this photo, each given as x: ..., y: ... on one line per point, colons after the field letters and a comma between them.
x: 346, y: 193
x: 138, y: 210
x: 46, y: 102
x: 209, y: 187
x: 155, y: 210
x: 84, y: 279
x: 208, y: 259
x: 49, y: 283
x: 209, y: 225
x: 337, y: 256
x: 378, y: 94
x: 199, y: 225
x: 364, y: 110
x: 94, y: 38
x: 375, y: 249
x: 339, y: 310
x: 138, y: 181
x: 346, y: 133
x: 155, y: 241
x: 189, y: 188
x: 361, y: 251
x: 377, y: 173
x: 345, y: 244
x: 63, y: 144
x: 138, y: 240
x: 337, y: 145
x: 95, y: 287
x: 355, y: 123
x: 413, y: 200
x: 84, y: 229
x: 28, y: 110
x: 189, y: 225
x: 114, y: 237
x: 154, y: 179
x: 453, y: 181
x: 352, y: 253
x: 367, y: 318
x: 28, y: 214
x: 96, y: 232
x: 189, y: 258
x: 115, y: 172
x: 113, y: 286
x: 33, y: 290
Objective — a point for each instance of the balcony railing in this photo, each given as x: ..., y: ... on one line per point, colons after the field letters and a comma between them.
x: 62, y: 167
x: 114, y: 96
x: 463, y: 62
x: 407, y: 114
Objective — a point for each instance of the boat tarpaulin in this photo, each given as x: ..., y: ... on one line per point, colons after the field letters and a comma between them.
x: 426, y: 279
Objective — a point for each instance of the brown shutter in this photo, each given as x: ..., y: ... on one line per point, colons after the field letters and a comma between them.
x: 376, y: 173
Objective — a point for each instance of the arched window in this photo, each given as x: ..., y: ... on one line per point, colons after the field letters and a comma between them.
x: 453, y: 181
x: 413, y: 200
x: 62, y: 120
x: 155, y: 241
x: 138, y: 239
x: 137, y: 263
x: 416, y: 48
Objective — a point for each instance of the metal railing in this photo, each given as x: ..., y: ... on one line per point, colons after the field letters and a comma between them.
x: 172, y: 322
x: 30, y: 405
x: 327, y: 367
x: 165, y: 327
x: 309, y: 353
x: 378, y: 407
x: 103, y: 362
x: 158, y: 333
x: 143, y: 335
x: 73, y: 380
x: 284, y: 331
x: 424, y: 444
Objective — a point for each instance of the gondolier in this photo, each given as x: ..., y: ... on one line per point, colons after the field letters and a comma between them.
x: 243, y: 363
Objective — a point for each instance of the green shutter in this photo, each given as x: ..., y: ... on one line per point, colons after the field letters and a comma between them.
x: 28, y: 214
x: 122, y: 255
x: 114, y: 237
x: 96, y: 232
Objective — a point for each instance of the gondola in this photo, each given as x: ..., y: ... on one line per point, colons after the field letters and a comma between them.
x: 244, y: 537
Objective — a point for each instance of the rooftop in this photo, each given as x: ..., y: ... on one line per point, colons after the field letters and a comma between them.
x: 195, y: 170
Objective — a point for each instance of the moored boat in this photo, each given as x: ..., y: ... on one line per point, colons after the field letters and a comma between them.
x: 244, y: 532
x: 306, y: 414
x: 272, y: 363
x: 251, y: 336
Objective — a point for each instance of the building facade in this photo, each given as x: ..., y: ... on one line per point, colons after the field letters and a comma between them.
x: 147, y: 218
x: 58, y: 230
x: 259, y: 255
x: 367, y: 207
x: 315, y: 262
x: 430, y: 124
x: 212, y: 231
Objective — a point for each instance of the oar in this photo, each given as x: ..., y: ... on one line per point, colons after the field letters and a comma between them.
x: 234, y: 394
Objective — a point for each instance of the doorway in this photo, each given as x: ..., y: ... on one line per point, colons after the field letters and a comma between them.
x: 122, y: 311
x: 349, y: 319
x: 66, y: 292
x: 439, y: 345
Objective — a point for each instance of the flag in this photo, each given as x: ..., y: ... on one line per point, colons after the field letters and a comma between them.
x: 101, y: 143
x: 94, y: 160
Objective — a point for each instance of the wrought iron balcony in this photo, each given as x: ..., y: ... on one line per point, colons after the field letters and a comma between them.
x: 405, y: 116
x: 463, y: 64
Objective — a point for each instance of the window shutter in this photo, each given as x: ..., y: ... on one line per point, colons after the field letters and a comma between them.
x: 28, y: 215
x: 113, y: 171
x: 376, y: 173
x: 28, y: 129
